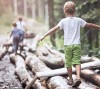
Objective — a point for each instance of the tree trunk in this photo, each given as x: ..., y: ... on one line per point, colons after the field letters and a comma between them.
x: 15, y: 8
x: 89, y: 75
x: 52, y: 61
x: 62, y: 71
x: 33, y: 9
x: 25, y: 8
x: 58, y: 82
x: 33, y: 45
x: 51, y: 20
x: 21, y: 69
x: 41, y: 9
x: 36, y: 65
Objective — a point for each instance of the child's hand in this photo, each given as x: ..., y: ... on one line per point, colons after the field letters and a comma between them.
x: 41, y: 38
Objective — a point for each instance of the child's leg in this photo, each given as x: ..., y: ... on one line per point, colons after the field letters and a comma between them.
x: 69, y: 69
x: 15, y: 44
x: 78, y: 71
x: 76, y: 62
x: 68, y: 62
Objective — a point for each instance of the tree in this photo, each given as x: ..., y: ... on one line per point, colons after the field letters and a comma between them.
x: 51, y: 20
x: 15, y: 8
x: 25, y: 8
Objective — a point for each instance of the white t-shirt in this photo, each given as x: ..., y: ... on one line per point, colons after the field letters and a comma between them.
x: 71, y: 27
x: 21, y: 25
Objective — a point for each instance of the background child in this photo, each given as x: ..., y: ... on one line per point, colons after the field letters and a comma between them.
x: 17, y: 35
x: 71, y: 26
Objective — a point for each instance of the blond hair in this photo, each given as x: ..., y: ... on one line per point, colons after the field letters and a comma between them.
x: 69, y: 7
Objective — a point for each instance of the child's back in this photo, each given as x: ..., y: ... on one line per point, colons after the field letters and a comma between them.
x: 71, y: 27
x: 16, y: 33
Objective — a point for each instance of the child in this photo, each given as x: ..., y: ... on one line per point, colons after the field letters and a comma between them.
x: 17, y: 37
x: 71, y: 27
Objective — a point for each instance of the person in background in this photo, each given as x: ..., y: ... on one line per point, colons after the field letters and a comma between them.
x: 16, y: 35
x: 72, y: 46
x: 22, y: 26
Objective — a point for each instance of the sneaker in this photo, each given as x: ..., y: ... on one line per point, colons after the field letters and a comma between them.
x: 77, y: 83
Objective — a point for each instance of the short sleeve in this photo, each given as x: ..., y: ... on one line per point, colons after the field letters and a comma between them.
x: 82, y: 22
x: 60, y: 24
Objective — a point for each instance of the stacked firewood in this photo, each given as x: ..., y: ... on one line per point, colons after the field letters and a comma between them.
x: 47, y: 66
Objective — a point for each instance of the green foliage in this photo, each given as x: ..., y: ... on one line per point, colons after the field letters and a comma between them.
x: 7, y: 18
x: 88, y: 10
x: 60, y: 43
x: 95, y: 52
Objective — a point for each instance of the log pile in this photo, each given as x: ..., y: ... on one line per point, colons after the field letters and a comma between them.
x: 47, y: 67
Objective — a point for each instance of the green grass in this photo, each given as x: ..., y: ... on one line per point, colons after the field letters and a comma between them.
x: 45, y: 41
x: 4, y: 29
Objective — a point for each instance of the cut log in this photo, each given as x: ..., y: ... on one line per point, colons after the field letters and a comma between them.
x: 55, y: 52
x: 23, y: 74
x: 33, y: 45
x: 55, y: 59
x: 42, y: 51
x: 58, y: 82
x: 85, y: 59
x: 36, y: 65
x: 89, y: 75
x: 29, y: 35
x: 3, y: 52
x: 62, y: 71
x: 20, y: 68
x: 38, y: 84
x: 52, y: 61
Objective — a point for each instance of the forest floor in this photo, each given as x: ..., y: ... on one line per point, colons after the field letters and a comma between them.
x: 8, y: 79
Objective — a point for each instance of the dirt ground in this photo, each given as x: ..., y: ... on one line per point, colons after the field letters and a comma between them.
x: 8, y: 80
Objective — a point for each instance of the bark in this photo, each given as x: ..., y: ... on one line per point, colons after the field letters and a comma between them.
x: 42, y: 51
x: 51, y: 20
x: 52, y: 61
x: 20, y: 69
x: 29, y: 35
x: 3, y: 52
x: 85, y: 59
x: 23, y: 74
x: 33, y: 45
x: 36, y: 65
x: 41, y: 9
x: 90, y: 76
x: 62, y: 71
x: 25, y: 8
x: 57, y: 82
x: 33, y: 9
x: 15, y: 8
x: 54, y: 52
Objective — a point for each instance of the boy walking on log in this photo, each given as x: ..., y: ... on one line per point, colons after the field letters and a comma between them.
x: 71, y: 26
x: 17, y: 35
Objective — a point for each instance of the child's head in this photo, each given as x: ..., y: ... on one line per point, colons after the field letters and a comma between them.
x: 14, y: 24
x: 69, y: 7
x: 20, y: 19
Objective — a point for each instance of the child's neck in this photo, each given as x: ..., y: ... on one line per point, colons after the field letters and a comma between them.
x: 69, y: 15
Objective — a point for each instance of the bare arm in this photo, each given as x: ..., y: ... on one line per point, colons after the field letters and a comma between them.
x: 52, y: 30
x: 91, y: 25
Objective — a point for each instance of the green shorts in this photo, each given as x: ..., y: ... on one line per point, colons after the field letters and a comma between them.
x: 72, y: 55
